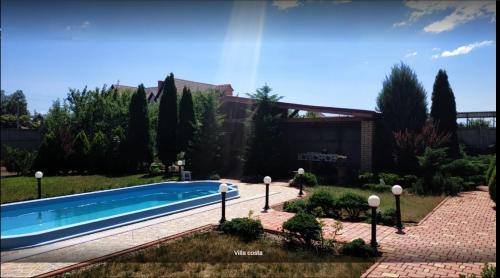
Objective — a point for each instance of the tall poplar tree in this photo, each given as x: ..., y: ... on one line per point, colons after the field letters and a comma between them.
x: 166, y: 136
x: 444, y: 112
x: 186, y: 120
x: 139, y: 137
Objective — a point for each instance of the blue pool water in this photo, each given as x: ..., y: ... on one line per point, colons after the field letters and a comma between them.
x: 39, y: 216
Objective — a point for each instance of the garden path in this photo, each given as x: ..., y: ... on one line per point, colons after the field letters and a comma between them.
x: 457, y: 237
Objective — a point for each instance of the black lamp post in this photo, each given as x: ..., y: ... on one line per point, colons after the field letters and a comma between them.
x: 374, y: 202
x: 397, y: 191
x: 267, y: 182
x: 223, y: 189
x: 39, y: 176
x: 301, y: 174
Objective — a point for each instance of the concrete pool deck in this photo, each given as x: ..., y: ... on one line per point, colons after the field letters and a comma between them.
x: 42, y: 259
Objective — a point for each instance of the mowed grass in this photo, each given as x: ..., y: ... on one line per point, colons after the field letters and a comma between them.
x: 15, y: 189
x: 212, y: 254
x: 413, y: 207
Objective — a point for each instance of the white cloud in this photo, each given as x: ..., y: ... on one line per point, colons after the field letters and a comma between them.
x: 461, y: 13
x: 286, y: 4
x: 436, y: 49
x: 462, y: 50
x: 411, y: 54
x: 85, y: 24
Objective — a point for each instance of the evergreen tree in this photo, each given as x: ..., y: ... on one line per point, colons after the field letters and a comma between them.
x: 186, y: 120
x: 402, y: 101
x: 139, y: 137
x: 203, y: 156
x: 265, y: 147
x: 51, y: 156
x: 79, y: 159
x: 97, y: 153
x: 166, y: 135
x: 444, y: 112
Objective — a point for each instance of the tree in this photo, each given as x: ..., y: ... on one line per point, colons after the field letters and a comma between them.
x: 265, y: 147
x: 204, y: 154
x: 97, y: 153
x: 186, y: 120
x: 51, y: 155
x: 444, y: 112
x: 139, y: 137
x: 166, y: 135
x: 402, y: 101
x: 10, y: 103
x: 79, y: 158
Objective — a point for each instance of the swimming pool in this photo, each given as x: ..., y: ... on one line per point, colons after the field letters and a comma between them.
x: 37, y: 222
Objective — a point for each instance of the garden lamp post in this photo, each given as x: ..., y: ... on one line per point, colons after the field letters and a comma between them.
x: 267, y: 182
x: 180, y: 163
x: 223, y: 189
x: 397, y: 190
x: 374, y: 203
x: 39, y: 176
x: 301, y: 174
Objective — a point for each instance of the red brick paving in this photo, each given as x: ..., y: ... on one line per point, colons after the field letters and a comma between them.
x: 456, y: 238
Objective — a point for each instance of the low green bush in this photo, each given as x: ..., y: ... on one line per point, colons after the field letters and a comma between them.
x: 323, y: 200
x: 408, y: 181
x: 358, y: 248
x: 387, y: 217
x: 18, y: 160
x: 214, y: 177
x: 488, y: 271
x: 303, y: 227
x: 155, y: 168
x: 308, y: 179
x: 389, y: 178
x: 492, y: 185
x: 453, y: 185
x: 353, y: 205
x: 375, y: 187
x: 295, y: 206
x: 367, y: 178
x: 246, y: 228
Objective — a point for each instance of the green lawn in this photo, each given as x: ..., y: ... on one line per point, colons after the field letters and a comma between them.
x: 15, y: 189
x: 413, y: 207
x: 212, y: 254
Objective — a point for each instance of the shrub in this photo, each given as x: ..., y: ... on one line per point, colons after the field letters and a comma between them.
x: 304, y: 227
x: 155, y: 168
x: 453, y: 185
x: 387, y: 217
x: 492, y: 185
x: 18, y: 160
x: 325, y: 201
x: 489, y: 271
x: 214, y: 177
x: 308, y: 179
x: 367, y: 178
x: 358, y: 248
x: 377, y: 187
x: 389, y: 178
x: 252, y: 179
x: 295, y: 206
x: 354, y: 205
x: 408, y: 180
x: 489, y: 171
x: 246, y: 228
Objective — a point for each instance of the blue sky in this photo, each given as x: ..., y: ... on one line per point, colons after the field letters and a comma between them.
x: 333, y: 53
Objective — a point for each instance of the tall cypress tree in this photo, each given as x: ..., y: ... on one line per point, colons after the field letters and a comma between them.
x: 444, y: 111
x: 265, y: 148
x: 138, y: 137
x: 402, y: 101
x: 186, y: 120
x: 166, y: 135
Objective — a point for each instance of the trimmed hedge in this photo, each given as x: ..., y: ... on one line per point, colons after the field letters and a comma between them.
x: 358, y: 248
x: 308, y: 179
x: 246, y: 228
x: 295, y: 206
x: 304, y: 227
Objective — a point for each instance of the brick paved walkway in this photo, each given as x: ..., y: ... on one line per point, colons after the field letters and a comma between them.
x: 456, y: 238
